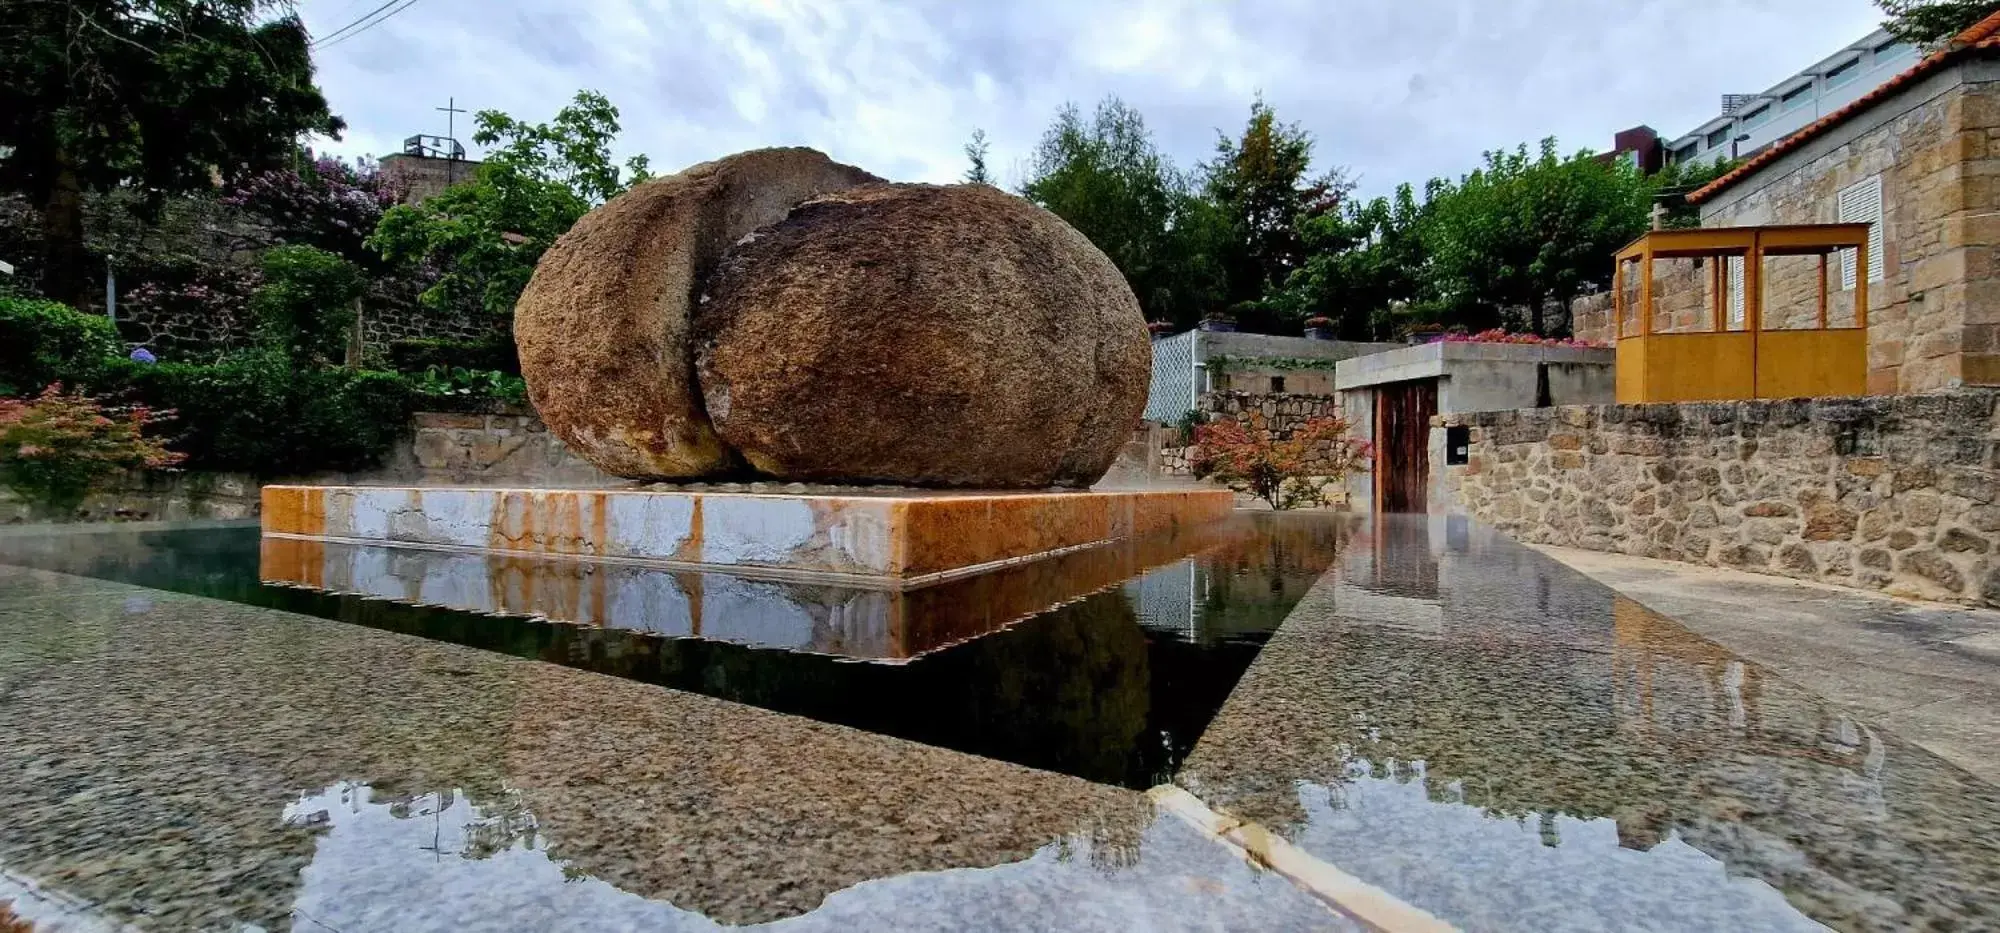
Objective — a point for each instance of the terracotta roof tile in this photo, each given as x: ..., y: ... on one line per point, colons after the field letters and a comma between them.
x: 1981, y: 36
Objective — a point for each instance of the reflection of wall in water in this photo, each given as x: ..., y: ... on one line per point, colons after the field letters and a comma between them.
x: 1168, y: 599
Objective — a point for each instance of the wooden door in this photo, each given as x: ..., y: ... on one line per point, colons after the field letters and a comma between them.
x: 1403, y: 413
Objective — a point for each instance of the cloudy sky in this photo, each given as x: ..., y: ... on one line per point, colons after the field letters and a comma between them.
x: 1393, y: 90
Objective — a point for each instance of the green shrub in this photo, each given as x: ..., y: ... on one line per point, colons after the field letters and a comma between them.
x: 441, y: 383
x: 306, y: 305
x: 258, y: 413
x: 422, y: 354
x: 46, y: 341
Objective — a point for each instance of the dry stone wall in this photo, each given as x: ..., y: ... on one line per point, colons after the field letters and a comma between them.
x: 1892, y: 493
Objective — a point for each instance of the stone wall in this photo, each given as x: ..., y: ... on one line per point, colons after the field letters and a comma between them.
x: 510, y: 448
x: 142, y: 496
x: 507, y: 448
x: 232, y: 244
x: 421, y: 177
x: 1590, y: 319
x: 1281, y: 413
x: 1934, y: 318
x: 1892, y: 493
x: 392, y: 312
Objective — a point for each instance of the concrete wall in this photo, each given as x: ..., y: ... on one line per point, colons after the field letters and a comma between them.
x: 1892, y: 493
x: 1266, y: 345
x: 1487, y: 376
x: 1181, y: 372
x: 1244, y: 374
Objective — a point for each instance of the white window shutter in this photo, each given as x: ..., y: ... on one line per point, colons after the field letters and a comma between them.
x: 1735, y: 273
x: 1861, y: 202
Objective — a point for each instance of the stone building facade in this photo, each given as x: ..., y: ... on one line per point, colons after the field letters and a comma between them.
x: 421, y: 177
x: 1920, y: 157
x: 1892, y: 493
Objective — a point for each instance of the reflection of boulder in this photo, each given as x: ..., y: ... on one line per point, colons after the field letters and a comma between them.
x: 942, y: 336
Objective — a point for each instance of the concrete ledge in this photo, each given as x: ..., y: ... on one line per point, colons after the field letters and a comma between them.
x: 909, y: 538
x: 1430, y: 360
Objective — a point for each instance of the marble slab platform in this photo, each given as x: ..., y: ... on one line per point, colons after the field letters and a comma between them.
x: 893, y: 539
x: 860, y: 623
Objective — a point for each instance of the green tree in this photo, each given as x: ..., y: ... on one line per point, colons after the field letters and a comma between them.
x: 1106, y: 178
x: 1524, y: 233
x: 1361, y: 262
x: 1672, y: 185
x: 158, y: 95
x: 975, y: 155
x: 487, y: 234
x: 1931, y: 23
x: 307, y: 303
x: 1260, y: 182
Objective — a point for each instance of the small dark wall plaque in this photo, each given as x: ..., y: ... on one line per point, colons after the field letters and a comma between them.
x: 1457, y: 445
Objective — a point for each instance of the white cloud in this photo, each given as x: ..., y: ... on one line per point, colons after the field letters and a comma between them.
x: 1394, y: 89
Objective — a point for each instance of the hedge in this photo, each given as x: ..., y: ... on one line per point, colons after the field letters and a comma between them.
x: 256, y: 413
x: 47, y: 341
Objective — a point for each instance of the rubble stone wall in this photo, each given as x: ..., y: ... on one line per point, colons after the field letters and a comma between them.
x: 1892, y: 493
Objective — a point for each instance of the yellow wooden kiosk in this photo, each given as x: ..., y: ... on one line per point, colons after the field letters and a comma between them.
x: 1753, y: 362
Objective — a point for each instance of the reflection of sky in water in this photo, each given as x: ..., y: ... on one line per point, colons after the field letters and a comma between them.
x: 441, y: 862
x: 1543, y: 872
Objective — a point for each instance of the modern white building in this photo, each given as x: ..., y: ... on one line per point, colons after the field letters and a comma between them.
x: 1749, y: 122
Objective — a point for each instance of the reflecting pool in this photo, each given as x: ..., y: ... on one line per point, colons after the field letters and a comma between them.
x: 371, y: 741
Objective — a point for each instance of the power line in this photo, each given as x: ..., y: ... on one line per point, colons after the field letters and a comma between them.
x: 355, y: 23
x: 336, y: 37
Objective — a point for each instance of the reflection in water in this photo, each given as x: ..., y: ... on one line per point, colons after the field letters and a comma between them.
x: 845, y: 620
x: 1395, y: 824
x: 444, y: 861
x: 1535, y: 710
x: 1096, y: 686
x: 150, y: 745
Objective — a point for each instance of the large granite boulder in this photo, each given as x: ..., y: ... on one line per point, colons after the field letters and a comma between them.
x: 603, y: 326
x: 943, y: 336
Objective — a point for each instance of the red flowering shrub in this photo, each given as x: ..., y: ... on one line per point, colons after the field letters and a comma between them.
x: 1281, y: 472
x: 55, y: 445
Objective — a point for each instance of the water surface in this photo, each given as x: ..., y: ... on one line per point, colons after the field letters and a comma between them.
x: 1113, y: 685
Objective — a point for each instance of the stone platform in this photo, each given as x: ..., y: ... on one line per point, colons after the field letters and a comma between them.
x: 854, y: 622
x: 891, y: 538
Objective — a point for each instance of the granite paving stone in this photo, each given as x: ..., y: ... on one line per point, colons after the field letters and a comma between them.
x: 1624, y: 774
x: 178, y: 762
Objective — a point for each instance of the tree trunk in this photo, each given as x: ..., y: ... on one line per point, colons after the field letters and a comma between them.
x: 355, y: 339
x: 64, y: 274
x: 1535, y: 314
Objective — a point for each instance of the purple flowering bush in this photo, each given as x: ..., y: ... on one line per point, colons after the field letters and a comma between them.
x: 329, y: 203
